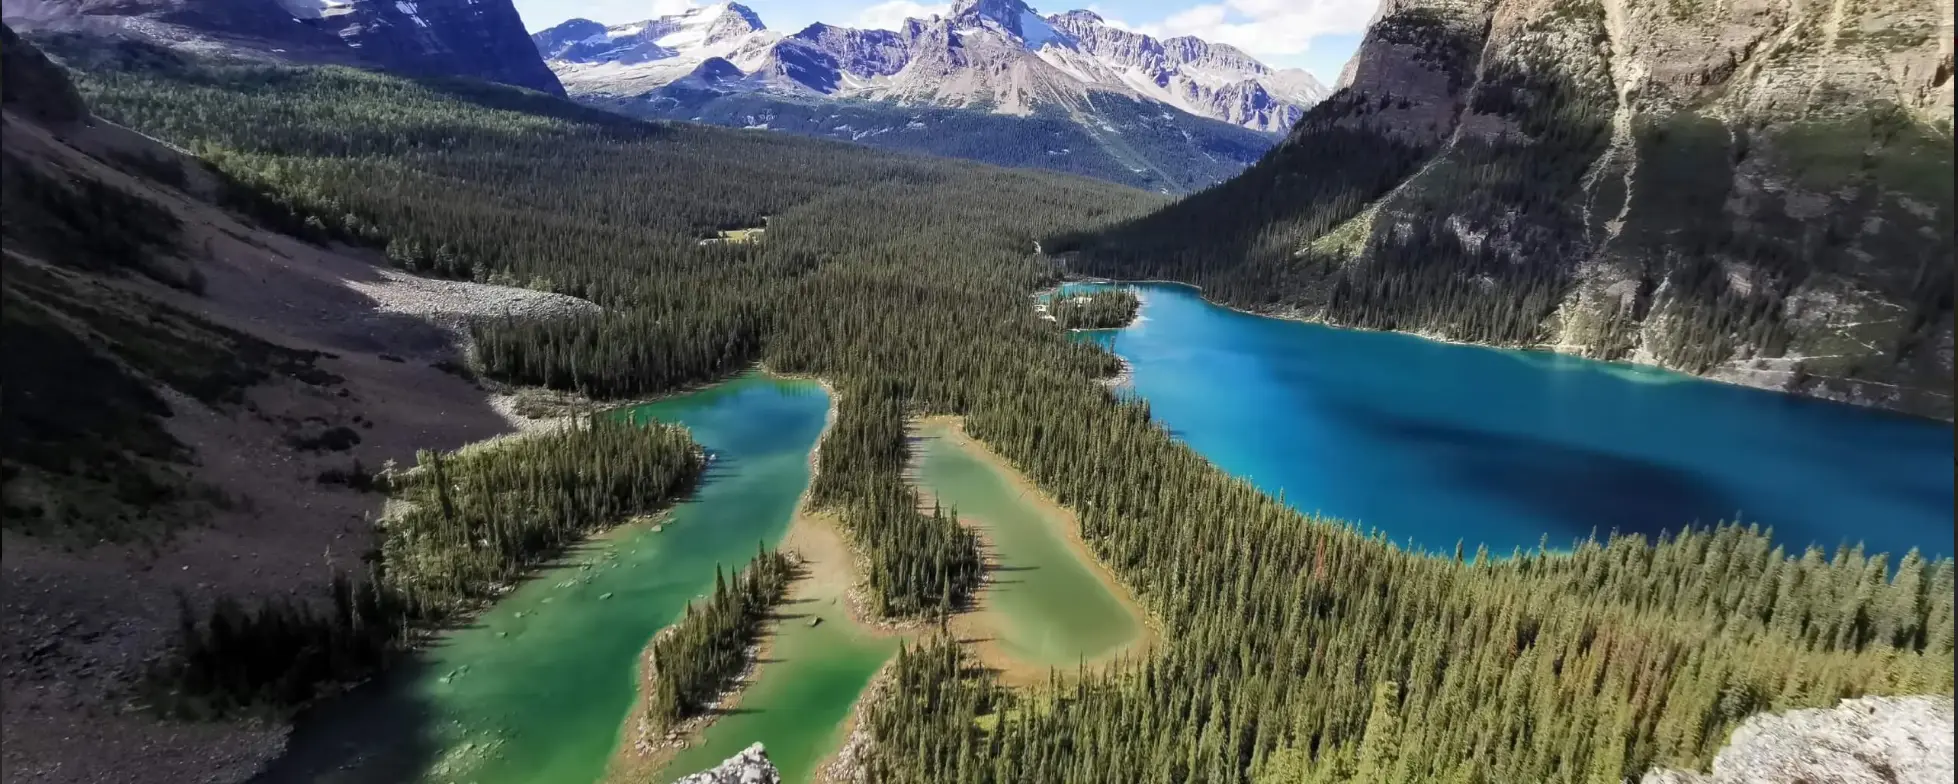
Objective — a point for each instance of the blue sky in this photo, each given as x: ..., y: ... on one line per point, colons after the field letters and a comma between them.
x: 1317, y: 35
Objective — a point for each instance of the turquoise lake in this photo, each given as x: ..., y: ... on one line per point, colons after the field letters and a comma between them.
x: 1439, y: 443
x: 536, y: 688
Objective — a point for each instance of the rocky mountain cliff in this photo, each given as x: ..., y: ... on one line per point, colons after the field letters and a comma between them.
x: 1754, y: 191
x: 1872, y: 740
x: 482, y: 39
x: 1127, y: 95
x: 996, y: 54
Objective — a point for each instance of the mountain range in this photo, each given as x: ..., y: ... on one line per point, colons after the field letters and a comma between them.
x: 481, y: 39
x: 1168, y: 114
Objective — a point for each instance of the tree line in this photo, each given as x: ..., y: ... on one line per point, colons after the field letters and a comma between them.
x: 1296, y: 648
x: 696, y: 657
x: 472, y: 523
x: 1095, y: 310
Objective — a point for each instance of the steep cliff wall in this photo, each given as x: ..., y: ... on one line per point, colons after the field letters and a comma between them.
x: 1756, y: 191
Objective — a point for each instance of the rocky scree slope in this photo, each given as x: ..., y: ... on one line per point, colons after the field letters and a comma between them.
x: 181, y: 384
x: 479, y: 39
x: 992, y: 81
x: 1755, y: 191
x: 751, y: 766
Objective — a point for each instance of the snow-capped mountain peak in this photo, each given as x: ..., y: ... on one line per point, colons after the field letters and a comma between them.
x: 1012, y: 16
x: 1000, y: 54
x: 708, y: 26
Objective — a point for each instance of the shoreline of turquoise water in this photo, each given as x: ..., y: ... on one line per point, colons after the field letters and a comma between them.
x: 1445, y: 441
x: 1052, y: 604
x: 535, y: 688
x: 1658, y: 373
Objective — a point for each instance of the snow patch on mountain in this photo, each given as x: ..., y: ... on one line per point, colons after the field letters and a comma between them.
x: 1035, y: 30
x: 997, y: 54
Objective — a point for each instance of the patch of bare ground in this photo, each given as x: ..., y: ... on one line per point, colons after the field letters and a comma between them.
x: 82, y: 618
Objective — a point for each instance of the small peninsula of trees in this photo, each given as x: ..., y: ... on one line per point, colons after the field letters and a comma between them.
x: 1295, y: 648
x: 695, y: 658
x: 472, y: 523
x: 1107, y: 309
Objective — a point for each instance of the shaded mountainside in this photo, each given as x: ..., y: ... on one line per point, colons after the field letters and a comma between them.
x: 1135, y: 143
x: 990, y: 81
x: 1756, y: 192
x: 194, y: 380
x: 34, y: 87
x: 482, y: 39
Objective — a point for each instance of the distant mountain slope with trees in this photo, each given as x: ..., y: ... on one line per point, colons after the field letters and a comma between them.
x: 1752, y: 193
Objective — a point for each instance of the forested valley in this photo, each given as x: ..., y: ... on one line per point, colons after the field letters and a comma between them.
x: 1297, y: 649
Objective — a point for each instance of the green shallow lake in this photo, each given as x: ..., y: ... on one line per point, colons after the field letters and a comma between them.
x: 801, y: 696
x: 1049, y: 606
x: 535, y: 690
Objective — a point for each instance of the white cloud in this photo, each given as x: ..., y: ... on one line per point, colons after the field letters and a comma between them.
x: 890, y: 14
x: 1267, y: 27
x: 1109, y: 20
x: 671, y: 7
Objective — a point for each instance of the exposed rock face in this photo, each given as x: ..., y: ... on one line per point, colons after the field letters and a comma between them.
x: 751, y: 766
x: 482, y: 39
x: 993, y: 53
x: 1211, y: 80
x: 1736, y: 190
x: 1873, y: 740
x: 1173, y: 115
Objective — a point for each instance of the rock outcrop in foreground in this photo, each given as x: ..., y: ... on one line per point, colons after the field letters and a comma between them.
x: 1873, y: 740
x: 751, y: 766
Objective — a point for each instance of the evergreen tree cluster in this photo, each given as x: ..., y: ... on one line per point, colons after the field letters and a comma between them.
x: 477, y: 519
x: 696, y: 657
x: 1295, y: 649
x: 280, y: 654
x: 474, y: 521
x: 1096, y: 310
x: 915, y: 564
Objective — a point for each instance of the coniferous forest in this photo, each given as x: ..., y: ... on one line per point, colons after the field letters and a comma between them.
x: 695, y: 658
x: 1096, y: 310
x: 472, y: 523
x: 1295, y: 649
